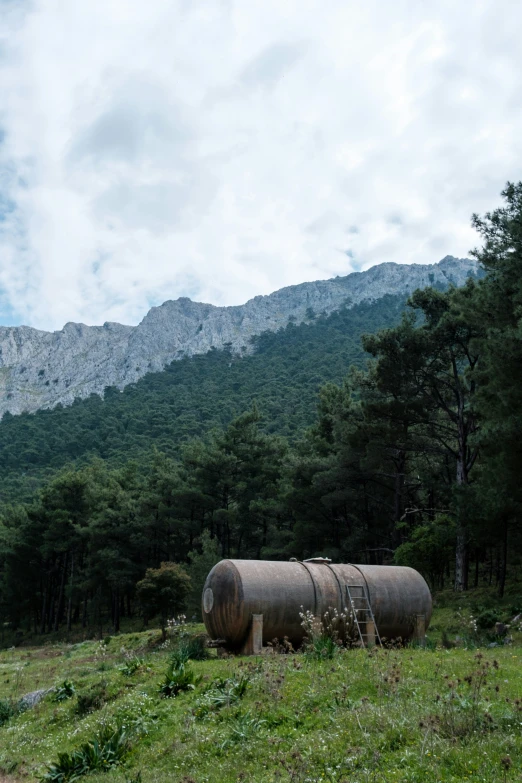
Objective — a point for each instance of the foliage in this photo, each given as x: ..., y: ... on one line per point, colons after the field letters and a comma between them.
x: 413, y: 459
x: 107, y: 749
x: 64, y: 691
x: 465, y: 709
x: 325, y: 635
x: 429, y: 548
x: 163, y: 591
x: 92, y: 699
x: 8, y: 709
x: 178, y: 677
x: 487, y: 619
x: 190, y: 647
x: 243, y: 728
x: 200, y: 565
x: 191, y: 397
x: 223, y: 692
x: 296, y: 716
x: 132, y: 665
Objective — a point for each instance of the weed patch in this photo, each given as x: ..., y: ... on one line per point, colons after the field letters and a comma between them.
x: 107, y: 749
x: 93, y: 699
x: 222, y: 693
x: 178, y: 678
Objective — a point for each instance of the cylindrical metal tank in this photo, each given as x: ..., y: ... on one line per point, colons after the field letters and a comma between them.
x: 236, y: 589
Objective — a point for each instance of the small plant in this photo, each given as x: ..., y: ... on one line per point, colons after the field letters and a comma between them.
x: 244, y: 727
x: 9, y: 709
x: 131, y: 666
x: 178, y: 677
x: 92, y: 700
x: 222, y: 693
x: 108, y: 749
x: 446, y: 642
x: 281, y: 647
x: 506, y: 765
x: 464, y: 710
x: 64, y: 691
x: 323, y: 636
x: 190, y: 648
x: 101, y: 655
x: 487, y: 619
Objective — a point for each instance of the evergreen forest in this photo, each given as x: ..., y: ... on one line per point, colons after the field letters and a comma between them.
x: 388, y: 432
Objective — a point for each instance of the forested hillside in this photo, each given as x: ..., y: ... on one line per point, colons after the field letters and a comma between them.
x: 414, y: 459
x: 192, y: 396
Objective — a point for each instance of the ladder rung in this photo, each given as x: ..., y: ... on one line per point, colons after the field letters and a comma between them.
x: 361, y: 603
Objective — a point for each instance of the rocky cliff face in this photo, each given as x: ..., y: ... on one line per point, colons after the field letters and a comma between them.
x: 41, y: 369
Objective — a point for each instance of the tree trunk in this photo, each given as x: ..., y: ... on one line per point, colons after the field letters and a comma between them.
x: 44, y: 608
x: 84, y: 613
x: 461, y: 561
x: 398, y: 495
x: 503, y: 560
x: 69, y: 605
x: 461, y: 550
x: 117, y: 611
x: 59, y: 608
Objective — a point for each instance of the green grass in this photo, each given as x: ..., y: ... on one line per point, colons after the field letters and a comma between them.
x: 395, y: 715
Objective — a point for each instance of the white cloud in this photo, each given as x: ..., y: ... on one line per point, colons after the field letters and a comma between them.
x: 222, y: 149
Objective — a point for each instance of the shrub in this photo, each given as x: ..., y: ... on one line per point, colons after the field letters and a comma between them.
x: 222, y: 693
x: 93, y: 699
x: 64, y: 691
x: 190, y: 648
x: 178, y: 677
x: 163, y: 591
x: 9, y: 709
x: 244, y: 727
x: 108, y: 748
x: 463, y: 711
x: 323, y: 636
x: 131, y: 666
x: 487, y: 619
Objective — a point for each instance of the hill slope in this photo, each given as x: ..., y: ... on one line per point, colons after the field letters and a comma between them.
x: 189, y: 397
x: 41, y: 369
x: 363, y: 716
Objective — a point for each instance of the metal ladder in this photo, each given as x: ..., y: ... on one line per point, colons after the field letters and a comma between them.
x: 360, y: 602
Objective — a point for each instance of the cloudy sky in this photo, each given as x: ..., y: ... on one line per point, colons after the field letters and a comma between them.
x: 220, y: 149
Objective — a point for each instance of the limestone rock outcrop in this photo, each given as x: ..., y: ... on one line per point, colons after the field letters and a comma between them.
x: 41, y: 369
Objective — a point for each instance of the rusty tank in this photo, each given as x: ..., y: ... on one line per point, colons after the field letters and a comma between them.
x: 236, y: 590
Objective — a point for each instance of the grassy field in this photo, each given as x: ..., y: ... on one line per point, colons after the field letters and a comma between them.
x: 423, y: 715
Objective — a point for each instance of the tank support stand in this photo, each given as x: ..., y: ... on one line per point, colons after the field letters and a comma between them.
x: 254, y: 641
x: 419, y: 633
x: 370, y: 631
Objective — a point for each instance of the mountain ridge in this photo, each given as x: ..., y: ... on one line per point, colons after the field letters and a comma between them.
x: 39, y: 369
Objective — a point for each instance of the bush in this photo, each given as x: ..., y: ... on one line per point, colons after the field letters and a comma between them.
x: 222, y: 693
x: 487, y: 619
x: 163, y: 591
x: 131, y: 666
x: 93, y: 699
x: 8, y: 709
x: 64, y: 691
x: 190, y: 648
x: 323, y: 635
x: 108, y: 748
x: 243, y: 728
x: 178, y: 677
